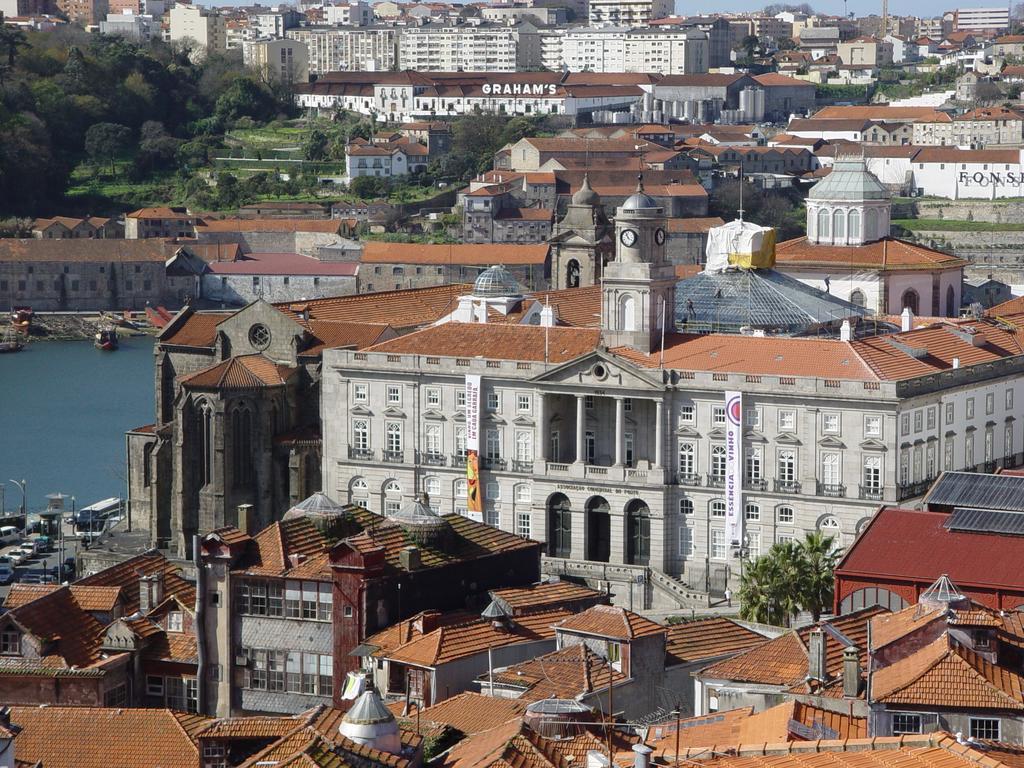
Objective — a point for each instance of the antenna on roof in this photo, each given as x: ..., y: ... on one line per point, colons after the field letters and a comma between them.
x: 740, y: 209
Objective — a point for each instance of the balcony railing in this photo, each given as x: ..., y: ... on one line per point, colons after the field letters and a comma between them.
x: 715, y: 481
x: 492, y: 462
x: 833, y: 490
x: 755, y: 484
x: 787, y: 486
x: 458, y: 459
x: 909, y: 490
x: 393, y: 457
x: 687, y: 478
x: 522, y: 466
x: 433, y: 459
x: 362, y: 454
x: 871, y: 492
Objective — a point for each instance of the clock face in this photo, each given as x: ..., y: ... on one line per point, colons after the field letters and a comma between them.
x: 628, y: 237
x: 659, y: 236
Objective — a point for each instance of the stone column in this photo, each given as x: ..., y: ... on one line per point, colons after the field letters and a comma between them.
x: 581, y: 420
x: 542, y: 430
x: 659, y: 438
x: 620, y: 430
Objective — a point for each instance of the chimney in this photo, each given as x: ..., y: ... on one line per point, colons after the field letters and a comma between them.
x: 906, y: 320
x: 427, y: 622
x: 851, y: 672
x: 846, y: 331
x: 956, y: 362
x: 409, y: 558
x: 151, y: 591
x: 547, y: 316
x: 295, y: 559
x: 642, y: 756
x: 816, y: 655
x: 243, y: 519
x: 596, y: 759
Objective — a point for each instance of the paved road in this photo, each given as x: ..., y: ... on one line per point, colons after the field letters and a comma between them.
x: 47, y: 560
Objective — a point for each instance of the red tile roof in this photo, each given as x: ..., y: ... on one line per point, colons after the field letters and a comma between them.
x: 326, y: 226
x: 284, y: 264
x: 546, y: 595
x: 400, y: 309
x: 127, y: 573
x: 568, y: 673
x: 916, y: 546
x: 468, y: 713
x: 83, y: 250
x: 886, y: 255
x: 377, y: 252
x: 243, y: 372
x: 708, y: 638
x: 611, y: 621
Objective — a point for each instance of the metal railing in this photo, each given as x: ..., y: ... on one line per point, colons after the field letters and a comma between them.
x: 433, y: 459
x: 832, y: 490
x: 360, y: 453
x: 755, y: 484
x: 393, y: 457
x: 870, y: 492
x: 687, y: 478
x: 787, y: 486
x: 714, y: 481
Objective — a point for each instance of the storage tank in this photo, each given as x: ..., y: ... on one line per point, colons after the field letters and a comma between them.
x: 761, y: 102
x: 747, y: 103
x: 659, y: 117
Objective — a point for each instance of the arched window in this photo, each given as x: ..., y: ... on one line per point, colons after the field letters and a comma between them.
x: 627, y: 313
x: 951, y: 302
x: 559, y: 526
x: 854, y: 222
x: 823, y: 224
x: 784, y: 515
x: 870, y: 224
x: 204, y: 428
x: 358, y: 492
x: 460, y: 488
x: 432, y: 486
x: 392, y: 497
x: 638, y: 533
x: 686, y: 506
x: 857, y: 297
x: 910, y: 299
x: 838, y: 226
x: 572, y: 274
x: 242, y: 458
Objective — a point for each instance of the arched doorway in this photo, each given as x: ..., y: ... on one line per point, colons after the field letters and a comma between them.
x: 572, y: 274
x: 599, y: 529
x: 857, y: 297
x: 910, y: 300
x: 559, y: 526
x: 638, y: 533
x: 951, y: 309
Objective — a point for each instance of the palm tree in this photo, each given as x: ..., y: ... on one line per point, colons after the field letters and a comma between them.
x: 759, y: 587
x: 820, y: 556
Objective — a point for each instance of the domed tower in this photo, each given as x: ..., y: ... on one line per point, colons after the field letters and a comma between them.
x: 581, y: 240
x: 850, y: 206
x: 371, y: 724
x: 327, y: 515
x: 638, y: 287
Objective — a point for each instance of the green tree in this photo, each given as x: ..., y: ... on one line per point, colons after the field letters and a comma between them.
x: 315, y: 145
x: 105, y: 141
x: 245, y: 97
x: 368, y: 187
x: 789, y: 578
x: 11, y: 39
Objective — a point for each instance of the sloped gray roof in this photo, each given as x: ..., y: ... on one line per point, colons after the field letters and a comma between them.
x: 368, y: 709
x: 759, y: 298
x: 850, y: 179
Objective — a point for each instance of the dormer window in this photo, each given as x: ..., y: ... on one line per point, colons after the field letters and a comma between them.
x: 615, y: 656
x: 982, y: 639
x: 10, y: 642
x: 174, y: 622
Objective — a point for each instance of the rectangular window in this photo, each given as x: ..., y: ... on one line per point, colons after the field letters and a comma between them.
x: 755, y: 462
x: 752, y: 418
x: 990, y: 403
x: 492, y: 448
x: 786, y: 466
x: 432, y: 433
x: 950, y: 413
x: 931, y: 418
x: 394, y: 394
x: 174, y: 622
x: 460, y: 398
x: 717, y: 544
x: 1009, y: 399
x: 918, y: 421
x: 687, y: 413
x: 523, y: 403
x: 718, y: 416
x: 905, y: 424
x: 985, y: 728
x: 685, y: 541
x: 969, y: 450
x: 830, y: 424
x: 434, y: 397
x: 970, y: 407
x: 523, y: 523
x: 393, y: 437
x: 752, y: 512
x: 785, y: 515
x: 872, y: 426
x: 361, y: 434
x: 10, y: 642
x: 493, y: 402
x: 905, y: 723
x: 588, y: 402
x: 154, y: 685
x: 787, y: 421
x: 360, y: 392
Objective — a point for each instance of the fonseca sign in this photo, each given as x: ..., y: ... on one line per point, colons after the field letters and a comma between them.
x: 990, y: 179
x: 519, y: 89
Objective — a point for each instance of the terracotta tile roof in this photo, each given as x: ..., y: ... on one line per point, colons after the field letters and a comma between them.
x: 887, y: 255
x: 230, y: 535
x: 457, y: 641
x: 689, y: 225
x: 569, y: 673
x: 211, y: 253
x: 875, y: 112
x: 243, y: 372
x: 377, y: 252
x: 526, y: 214
x: 401, y: 309
x: 253, y: 727
x: 101, y: 599
x: 326, y: 226
x: 506, y: 342
x: 468, y: 713
x: 126, y: 575
x: 775, y: 79
x: 82, y: 250
x: 783, y: 660
x: 944, y: 674
x: 199, y: 329
x: 21, y: 594
x: 954, y: 155
x: 578, y: 307
x: 545, y: 595
x: 279, y: 541
x: 989, y: 113
x: 178, y: 647
x: 161, y: 212
x: 344, y: 334
x: 117, y: 738
x: 707, y: 639
x: 292, y: 264
x: 890, y: 627
x: 611, y: 621
x: 779, y: 356
x: 405, y: 631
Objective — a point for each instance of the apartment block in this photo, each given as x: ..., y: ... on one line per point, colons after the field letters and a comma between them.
x: 348, y: 49
x: 471, y: 48
x: 199, y: 25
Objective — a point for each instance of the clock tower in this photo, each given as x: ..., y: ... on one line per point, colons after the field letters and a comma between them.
x: 638, y: 286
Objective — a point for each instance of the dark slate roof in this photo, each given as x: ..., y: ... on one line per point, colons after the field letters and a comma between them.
x: 977, y: 491
x: 759, y: 298
x: 986, y: 521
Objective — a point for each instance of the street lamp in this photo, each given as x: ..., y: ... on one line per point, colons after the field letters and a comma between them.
x: 22, y: 484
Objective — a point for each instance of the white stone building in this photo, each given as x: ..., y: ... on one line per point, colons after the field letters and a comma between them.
x: 199, y: 25
x: 646, y: 49
x: 483, y: 47
x: 633, y: 13
x: 348, y: 49
x: 975, y: 174
x: 612, y: 450
x: 281, y: 60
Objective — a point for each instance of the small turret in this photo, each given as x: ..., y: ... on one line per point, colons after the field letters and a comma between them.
x: 371, y: 724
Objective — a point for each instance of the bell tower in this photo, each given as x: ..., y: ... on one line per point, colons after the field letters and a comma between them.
x: 580, y: 241
x: 638, y: 287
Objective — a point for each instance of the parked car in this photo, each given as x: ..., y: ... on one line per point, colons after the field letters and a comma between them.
x: 44, y: 544
x: 17, y: 557
x: 9, y: 535
x: 29, y: 548
x: 6, y: 570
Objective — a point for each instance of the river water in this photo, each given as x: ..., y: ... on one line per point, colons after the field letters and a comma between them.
x: 64, y: 409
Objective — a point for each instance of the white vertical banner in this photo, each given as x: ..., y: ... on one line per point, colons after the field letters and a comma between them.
x: 734, y: 468
x: 472, y: 412
x: 474, y: 491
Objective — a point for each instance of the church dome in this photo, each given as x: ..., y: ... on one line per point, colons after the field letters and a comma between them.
x: 327, y: 515
x: 639, y: 200
x: 586, y: 195
x: 496, y: 281
x: 849, y: 180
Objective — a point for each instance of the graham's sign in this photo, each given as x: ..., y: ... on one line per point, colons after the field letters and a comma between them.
x: 519, y: 89
x: 990, y: 178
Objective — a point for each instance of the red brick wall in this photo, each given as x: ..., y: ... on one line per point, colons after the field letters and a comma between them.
x: 31, y: 690
x: 909, y: 591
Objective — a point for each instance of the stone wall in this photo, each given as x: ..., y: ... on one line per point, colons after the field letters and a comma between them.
x: 961, y: 210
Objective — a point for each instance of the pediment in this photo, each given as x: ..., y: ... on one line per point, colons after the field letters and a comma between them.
x: 493, y: 418
x: 601, y: 371
x: 873, y: 445
x: 788, y: 438
x: 394, y: 413
x: 754, y: 437
x: 360, y: 410
x: 831, y: 442
x: 716, y: 434
x: 523, y: 421
x: 459, y: 416
x: 434, y: 415
x: 687, y: 432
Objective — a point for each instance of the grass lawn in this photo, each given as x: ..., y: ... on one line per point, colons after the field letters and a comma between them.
x: 94, y: 192
x: 954, y: 225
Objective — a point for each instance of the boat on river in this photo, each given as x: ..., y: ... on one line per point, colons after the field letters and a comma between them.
x: 106, y: 339
x: 11, y: 341
x: 21, y: 318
